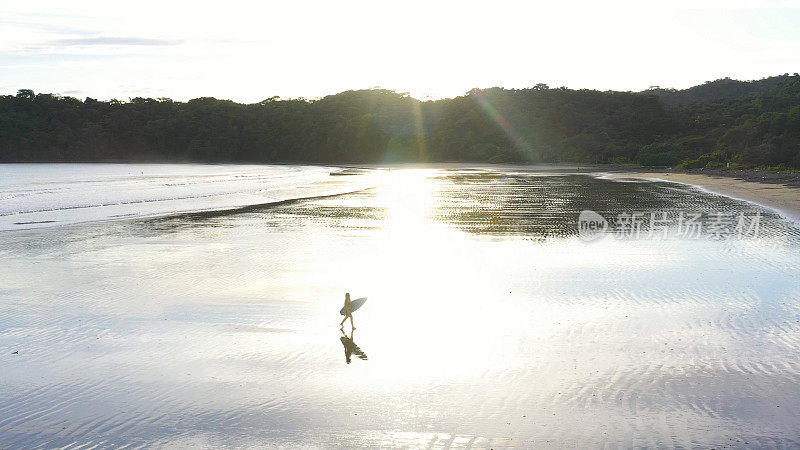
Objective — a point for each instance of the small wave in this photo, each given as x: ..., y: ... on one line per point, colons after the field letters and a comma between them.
x: 346, y: 172
x: 120, y: 196
x: 35, y: 222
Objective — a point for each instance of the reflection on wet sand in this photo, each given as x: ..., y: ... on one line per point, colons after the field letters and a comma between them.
x: 350, y: 347
x: 215, y: 330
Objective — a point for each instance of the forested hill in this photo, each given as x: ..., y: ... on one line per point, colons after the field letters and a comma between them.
x: 755, y: 125
x: 724, y: 88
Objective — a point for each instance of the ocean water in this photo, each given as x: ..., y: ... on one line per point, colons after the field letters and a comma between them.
x: 198, y: 306
x: 38, y: 195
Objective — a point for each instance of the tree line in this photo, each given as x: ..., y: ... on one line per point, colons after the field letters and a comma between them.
x: 755, y: 124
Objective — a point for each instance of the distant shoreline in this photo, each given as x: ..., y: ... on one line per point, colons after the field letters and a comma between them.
x: 777, y: 190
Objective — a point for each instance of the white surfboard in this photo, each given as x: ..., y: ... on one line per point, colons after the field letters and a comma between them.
x: 355, y: 304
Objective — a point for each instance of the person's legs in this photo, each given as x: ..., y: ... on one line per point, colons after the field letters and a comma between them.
x: 342, y: 323
x: 351, y: 322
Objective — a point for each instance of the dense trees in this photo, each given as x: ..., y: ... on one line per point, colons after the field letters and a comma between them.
x: 760, y: 131
x: 717, y: 90
x: 755, y: 123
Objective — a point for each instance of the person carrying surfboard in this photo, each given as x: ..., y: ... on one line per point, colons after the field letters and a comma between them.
x: 348, y: 310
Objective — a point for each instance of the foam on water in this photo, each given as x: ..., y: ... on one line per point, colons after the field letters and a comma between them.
x: 35, y: 195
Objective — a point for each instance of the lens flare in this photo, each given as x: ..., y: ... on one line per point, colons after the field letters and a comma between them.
x: 521, y: 145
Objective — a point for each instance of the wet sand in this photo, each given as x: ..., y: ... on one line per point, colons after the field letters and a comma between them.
x: 777, y: 191
x: 490, y: 323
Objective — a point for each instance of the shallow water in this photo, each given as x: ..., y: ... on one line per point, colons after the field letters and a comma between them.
x: 489, y: 321
x: 44, y: 195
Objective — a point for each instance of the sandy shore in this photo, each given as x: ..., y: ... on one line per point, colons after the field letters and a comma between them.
x: 221, y: 329
x: 776, y: 194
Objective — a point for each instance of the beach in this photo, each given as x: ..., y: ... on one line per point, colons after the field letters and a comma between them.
x: 778, y: 191
x: 134, y: 317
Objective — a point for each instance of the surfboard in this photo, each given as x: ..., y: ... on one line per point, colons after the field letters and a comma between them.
x: 355, y: 304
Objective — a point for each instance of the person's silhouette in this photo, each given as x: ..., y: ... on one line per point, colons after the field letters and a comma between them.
x: 350, y: 347
x: 348, y: 310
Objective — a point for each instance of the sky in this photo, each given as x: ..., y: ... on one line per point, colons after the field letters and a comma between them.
x: 249, y: 51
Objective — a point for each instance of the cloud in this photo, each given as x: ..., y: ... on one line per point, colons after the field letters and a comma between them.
x: 110, y: 40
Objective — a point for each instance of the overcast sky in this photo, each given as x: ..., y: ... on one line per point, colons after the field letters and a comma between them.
x: 248, y: 51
